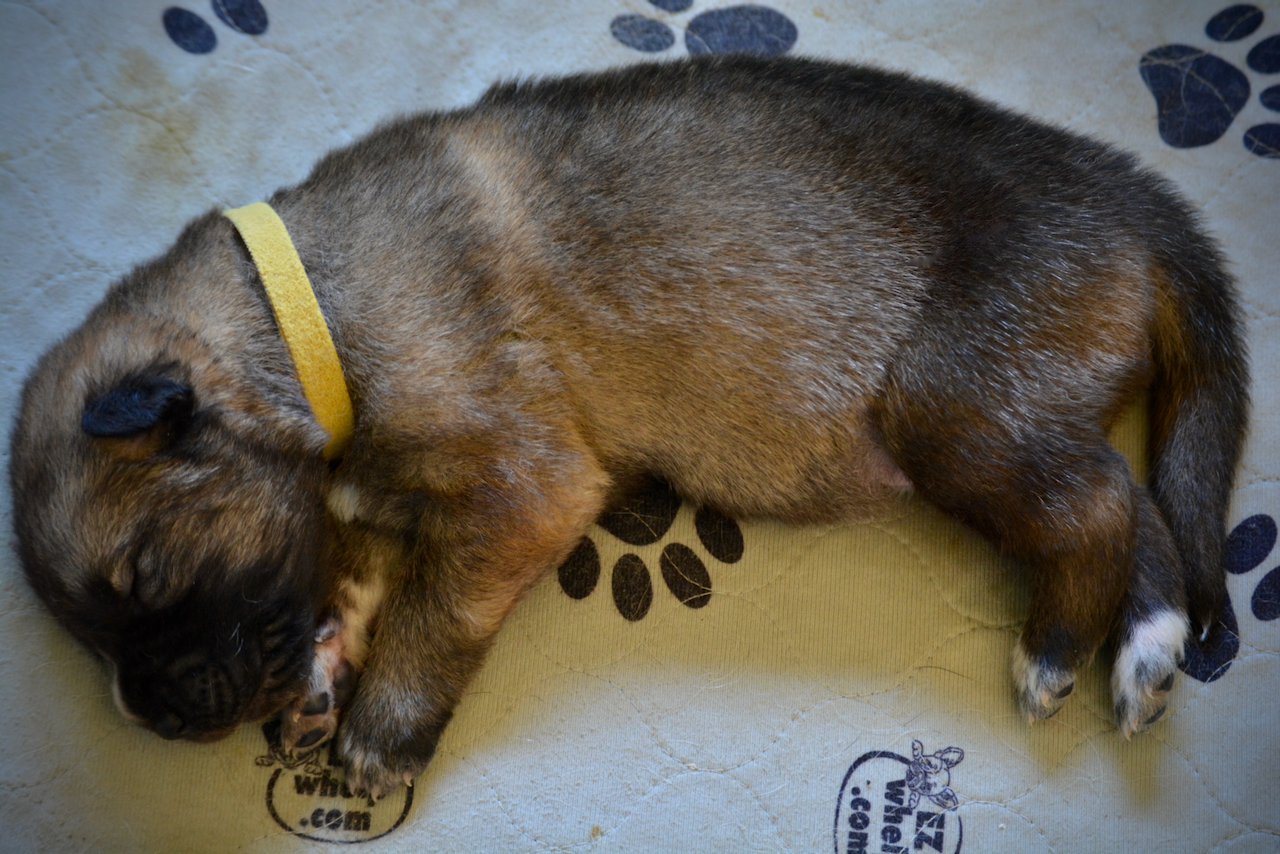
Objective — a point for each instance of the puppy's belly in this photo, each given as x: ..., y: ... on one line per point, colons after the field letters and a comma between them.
x: 804, y: 474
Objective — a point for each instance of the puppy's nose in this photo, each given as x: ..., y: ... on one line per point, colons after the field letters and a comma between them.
x: 169, y: 726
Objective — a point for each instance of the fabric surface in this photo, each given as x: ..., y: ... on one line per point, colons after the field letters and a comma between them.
x: 686, y: 682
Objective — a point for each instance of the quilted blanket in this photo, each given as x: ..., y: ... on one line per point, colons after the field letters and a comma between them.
x: 687, y: 681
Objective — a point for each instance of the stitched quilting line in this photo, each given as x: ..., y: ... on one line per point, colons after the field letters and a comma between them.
x: 680, y: 769
x: 1005, y: 807
x: 290, y: 54
x: 497, y: 797
x: 940, y: 586
x: 907, y: 675
x: 1044, y: 784
x: 1200, y: 697
x: 82, y: 69
x: 656, y: 733
x: 521, y: 827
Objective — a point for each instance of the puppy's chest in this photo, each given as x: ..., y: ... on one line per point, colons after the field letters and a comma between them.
x: 373, y: 506
x: 365, y: 538
x: 345, y: 501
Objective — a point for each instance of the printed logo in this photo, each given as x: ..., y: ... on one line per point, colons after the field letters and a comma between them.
x: 893, y: 805
x: 308, y: 796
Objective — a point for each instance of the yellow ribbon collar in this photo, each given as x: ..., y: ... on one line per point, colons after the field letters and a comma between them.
x: 302, y: 324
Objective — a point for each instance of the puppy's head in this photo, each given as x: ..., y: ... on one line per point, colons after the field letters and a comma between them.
x: 166, y: 490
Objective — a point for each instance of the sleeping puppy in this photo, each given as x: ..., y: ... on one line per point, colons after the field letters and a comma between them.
x: 789, y: 288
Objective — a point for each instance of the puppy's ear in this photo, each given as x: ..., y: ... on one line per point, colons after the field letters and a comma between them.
x: 140, y: 413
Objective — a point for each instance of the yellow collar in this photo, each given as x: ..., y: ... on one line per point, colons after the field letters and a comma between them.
x: 302, y: 324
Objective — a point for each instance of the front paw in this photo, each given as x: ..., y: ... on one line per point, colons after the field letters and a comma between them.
x: 385, y: 749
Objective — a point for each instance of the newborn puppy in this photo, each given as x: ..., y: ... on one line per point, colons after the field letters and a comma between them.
x: 789, y: 288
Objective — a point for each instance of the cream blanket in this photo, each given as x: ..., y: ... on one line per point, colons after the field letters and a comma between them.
x: 840, y: 688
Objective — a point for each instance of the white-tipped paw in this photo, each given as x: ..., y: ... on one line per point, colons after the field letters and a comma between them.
x: 1145, y: 667
x: 1042, y: 690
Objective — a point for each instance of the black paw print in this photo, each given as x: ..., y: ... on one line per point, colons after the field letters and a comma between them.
x: 1198, y: 95
x: 736, y: 29
x: 641, y: 521
x: 1247, y: 547
x: 194, y: 34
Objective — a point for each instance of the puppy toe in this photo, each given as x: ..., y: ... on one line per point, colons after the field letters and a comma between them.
x: 313, y: 739
x: 317, y: 705
x: 1145, y: 669
x: 1135, y: 714
x: 1042, y: 689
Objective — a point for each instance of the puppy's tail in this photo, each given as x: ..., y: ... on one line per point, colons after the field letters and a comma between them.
x: 1200, y: 404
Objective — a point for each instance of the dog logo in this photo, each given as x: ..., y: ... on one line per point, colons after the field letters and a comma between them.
x: 308, y: 796
x: 893, y: 804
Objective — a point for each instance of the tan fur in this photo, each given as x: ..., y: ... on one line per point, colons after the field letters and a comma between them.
x: 789, y: 289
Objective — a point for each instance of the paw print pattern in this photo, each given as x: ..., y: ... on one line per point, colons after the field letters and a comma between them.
x: 194, y: 34
x: 644, y: 520
x: 1248, y: 545
x: 749, y: 29
x: 1198, y: 95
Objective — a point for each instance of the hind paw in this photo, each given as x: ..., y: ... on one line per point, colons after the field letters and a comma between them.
x: 1144, y: 670
x: 1042, y: 689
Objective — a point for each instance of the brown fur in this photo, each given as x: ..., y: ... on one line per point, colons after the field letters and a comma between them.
x: 788, y: 288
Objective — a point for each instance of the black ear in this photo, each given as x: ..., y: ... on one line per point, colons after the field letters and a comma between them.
x: 137, y: 405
